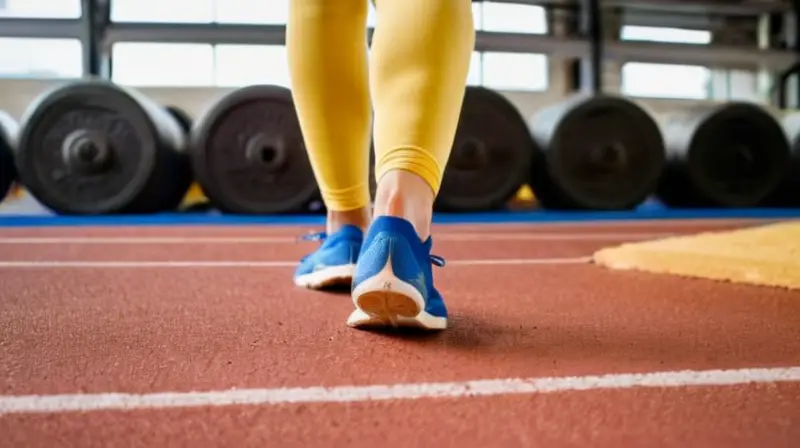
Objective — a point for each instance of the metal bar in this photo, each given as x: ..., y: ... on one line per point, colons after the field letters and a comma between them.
x: 591, y: 25
x: 715, y: 8
x: 101, y: 24
x: 213, y: 33
x: 41, y: 28
x: 90, y: 39
x: 713, y: 56
x: 569, y: 48
x: 686, y: 21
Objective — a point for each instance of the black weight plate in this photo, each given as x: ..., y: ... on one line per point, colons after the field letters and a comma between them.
x: 490, y: 156
x: 787, y: 194
x: 90, y: 147
x: 177, y: 166
x: 183, y: 118
x: 249, y: 155
x: 722, y: 155
x: 8, y: 141
x: 595, y: 152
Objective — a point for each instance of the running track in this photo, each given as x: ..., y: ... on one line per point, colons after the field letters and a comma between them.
x: 195, y: 336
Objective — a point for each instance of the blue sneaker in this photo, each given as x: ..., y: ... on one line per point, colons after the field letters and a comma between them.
x: 334, y: 262
x: 393, y: 282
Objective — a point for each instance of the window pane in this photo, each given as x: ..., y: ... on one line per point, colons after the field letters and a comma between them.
x: 41, y: 9
x: 40, y: 58
x: 474, y: 76
x: 665, y: 80
x: 241, y: 65
x: 176, y: 11
x: 372, y: 17
x: 270, y: 12
x: 672, y: 35
x: 477, y: 15
x: 162, y: 64
x: 273, y: 12
x: 515, y: 71
x: 513, y: 18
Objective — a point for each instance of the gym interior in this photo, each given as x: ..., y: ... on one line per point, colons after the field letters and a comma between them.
x: 619, y: 216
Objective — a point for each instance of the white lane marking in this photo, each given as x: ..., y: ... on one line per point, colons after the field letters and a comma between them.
x: 409, y: 391
x: 55, y: 264
x: 598, y: 236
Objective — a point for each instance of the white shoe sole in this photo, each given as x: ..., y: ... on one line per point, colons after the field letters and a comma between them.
x: 423, y: 321
x: 385, y: 300
x: 327, y: 277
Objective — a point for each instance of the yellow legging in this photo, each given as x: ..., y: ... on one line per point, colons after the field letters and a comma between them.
x: 416, y: 75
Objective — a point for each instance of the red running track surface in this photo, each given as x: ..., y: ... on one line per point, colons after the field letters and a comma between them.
x: 194, y: 310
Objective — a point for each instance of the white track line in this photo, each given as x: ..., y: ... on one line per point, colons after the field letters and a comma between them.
x: 411, y: 391
x: 289, y: 240
x: 51, y: 264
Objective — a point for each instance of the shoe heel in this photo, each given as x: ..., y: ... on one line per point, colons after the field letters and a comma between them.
x: 387, y: 297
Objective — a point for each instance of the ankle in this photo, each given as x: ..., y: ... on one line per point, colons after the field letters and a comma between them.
x: 403, y: 194
x: 359, y: 217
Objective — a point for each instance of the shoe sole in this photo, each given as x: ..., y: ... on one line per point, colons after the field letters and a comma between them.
x: 328, y: 277
x: 423, y: 321
x: 387, y: 298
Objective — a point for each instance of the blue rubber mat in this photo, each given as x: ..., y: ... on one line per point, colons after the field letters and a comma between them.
x: 646, y: 212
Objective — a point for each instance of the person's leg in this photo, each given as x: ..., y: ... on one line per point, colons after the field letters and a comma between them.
x: 421, y: 51
x: 327, y: 51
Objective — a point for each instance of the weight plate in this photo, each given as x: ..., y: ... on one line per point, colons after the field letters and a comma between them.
x: 8, y: 141
x: 182, y: 117
x: 722, y: 155
x: 595, y: 152
x: 249, y: 155
x: 91, y: 147
x: 787, y: 194
x: 490, y: 156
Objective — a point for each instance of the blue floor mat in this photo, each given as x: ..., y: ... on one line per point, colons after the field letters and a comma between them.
x: 646, y: 212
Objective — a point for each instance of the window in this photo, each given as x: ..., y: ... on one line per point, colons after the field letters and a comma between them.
x: 475, y: 69
x: 510, y: 18
x: 665, y: 80
x: 263, y: 12
x: 671, y: 35
x: 372, y: 17
x: 514, y: 71
x: 183, y: 65
x: 477, y: 15
x: 162, y: 64
x: 41, y: 9
x: 40, y: 58
x: 164, y: 11
x: 241, y: 65
x: 272, y: 12
x: 170, y: 64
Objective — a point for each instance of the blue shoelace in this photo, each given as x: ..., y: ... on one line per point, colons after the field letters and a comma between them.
x: 437, y: 260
